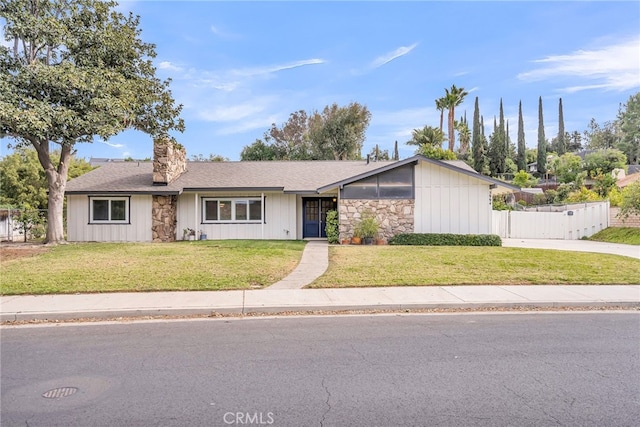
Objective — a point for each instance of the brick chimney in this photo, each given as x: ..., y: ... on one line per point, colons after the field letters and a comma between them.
x: 169, y: 161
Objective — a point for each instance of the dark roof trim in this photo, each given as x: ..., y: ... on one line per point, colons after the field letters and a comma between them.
x: 121, y: 193
x: 413, y: 160
x: 204, y: 189
x: 368, y: 174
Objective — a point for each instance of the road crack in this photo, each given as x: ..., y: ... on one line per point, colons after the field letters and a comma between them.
x: 326, y: 390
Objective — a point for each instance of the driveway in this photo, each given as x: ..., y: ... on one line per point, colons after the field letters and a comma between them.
x: 632, y: 251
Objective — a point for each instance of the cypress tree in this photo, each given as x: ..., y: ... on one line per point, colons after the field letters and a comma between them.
x: 396, y: 156
x: 522, y: 156
x: 542, y: 142
x: 562, y: 144
x: 476, y: 140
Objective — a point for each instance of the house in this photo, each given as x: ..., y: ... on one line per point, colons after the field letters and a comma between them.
x: 156, y: 201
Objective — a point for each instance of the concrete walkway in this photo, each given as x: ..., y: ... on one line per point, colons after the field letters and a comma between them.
x: 114, y: 305
x: 286, y: 295
x: 313, y: 264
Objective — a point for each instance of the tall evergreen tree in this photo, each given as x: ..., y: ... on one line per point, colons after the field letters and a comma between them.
x: 522, y: 157
x: 498, y: 146
x: 542, y: 142
x: 396, y: 155
x: 562, y: 144
x: 477, y: 145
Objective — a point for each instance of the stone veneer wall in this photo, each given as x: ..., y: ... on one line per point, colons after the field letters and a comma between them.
x: 630, y: 221
x: 394, y: 216
x: 164, y: 218
x: 169, y: 161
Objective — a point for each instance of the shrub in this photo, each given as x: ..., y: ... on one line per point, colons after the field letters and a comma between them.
x: 444, y: 239
x: 333, y: 233
x: 615, y: 197
x: 367, y: 228
x: 583, y: 195
x: 630, y: 204
x: 499, y: 203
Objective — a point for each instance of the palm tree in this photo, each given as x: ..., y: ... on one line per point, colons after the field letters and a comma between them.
x: 440, y: 106
x: 464, y: 134
x: 428, y: 135
x: 452, y: 99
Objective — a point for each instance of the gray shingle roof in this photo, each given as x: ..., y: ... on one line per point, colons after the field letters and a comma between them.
x: 287, y: 176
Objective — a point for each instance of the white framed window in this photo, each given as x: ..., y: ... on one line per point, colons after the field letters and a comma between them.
x: 109, y: 210
x: 217, y: 210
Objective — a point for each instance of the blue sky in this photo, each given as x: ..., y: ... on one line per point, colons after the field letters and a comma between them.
x: 237, y: 67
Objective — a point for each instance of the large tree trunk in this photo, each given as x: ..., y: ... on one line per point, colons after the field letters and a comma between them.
x: 441, y: 117
x: 452, y: 138
x: 57, y: 180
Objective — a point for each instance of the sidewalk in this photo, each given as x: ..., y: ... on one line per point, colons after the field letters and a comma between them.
x: 104, y: 306
x: 287, y: 295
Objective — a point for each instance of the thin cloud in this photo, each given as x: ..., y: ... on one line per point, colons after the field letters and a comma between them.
x: 270, y: 69
x: 222, y: 33
x: 112, y: 145
x: 386, y: 58
x: 614, y: 67
x: 232, y: 113
x: 248, y: 125
x: 166, y: 65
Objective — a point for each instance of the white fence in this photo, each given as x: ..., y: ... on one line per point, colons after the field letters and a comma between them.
x: 568, y: 222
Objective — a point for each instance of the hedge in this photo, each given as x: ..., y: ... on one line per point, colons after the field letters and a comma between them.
x: 435, y: 239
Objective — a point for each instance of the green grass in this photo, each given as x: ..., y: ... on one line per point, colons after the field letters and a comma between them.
x: 357, y: 266
x: 627, y: 235
x: 133, y: 267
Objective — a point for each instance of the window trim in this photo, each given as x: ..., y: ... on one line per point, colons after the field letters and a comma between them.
x: 234, y: 200
x: 127, y: 210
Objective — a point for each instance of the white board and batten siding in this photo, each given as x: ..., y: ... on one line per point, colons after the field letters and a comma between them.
x: 80, y: 230
x: 279, y: 224
x: 450, y: 202
x: 575, y: 222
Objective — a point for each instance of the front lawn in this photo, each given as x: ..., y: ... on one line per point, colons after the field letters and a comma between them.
x: 359, y: 266
x: 627, y: 235
x: 133, y: 267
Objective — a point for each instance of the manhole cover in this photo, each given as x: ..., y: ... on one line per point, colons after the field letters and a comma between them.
x: 59, y: 392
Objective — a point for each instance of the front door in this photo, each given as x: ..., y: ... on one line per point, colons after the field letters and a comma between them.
x: 315, y: 215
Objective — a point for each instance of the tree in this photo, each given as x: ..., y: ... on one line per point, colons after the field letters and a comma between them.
x: 630, y: 204
x: 377, y: 154
x: 604, y: 137
x: 440, y: 106
x: 464, y: 134
x: 77, y: 70
x: 521, y: 159
x: 437, y: 153
x: 604, y: 161
x: 23, y: 181
x: 542, y: 142
x: 477, y: 143
x: 574, y: 141
x: 396, y: 155
x: 567, y: 167
x: 338, y: 132
x: 524, y: 180
x: 428, y: 135
x: 561, y: 143
x: 258, y: 151
x: 498, y: 145
x: 451, y: 100
x: 629, y: 119
x: 212, y: 158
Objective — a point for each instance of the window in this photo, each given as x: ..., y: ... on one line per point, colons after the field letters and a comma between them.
x: 394, y: 184
x: 231, y: 210
x: 108, y: 210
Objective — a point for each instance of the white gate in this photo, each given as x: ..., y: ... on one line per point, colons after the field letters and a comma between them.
x: 567, y: 222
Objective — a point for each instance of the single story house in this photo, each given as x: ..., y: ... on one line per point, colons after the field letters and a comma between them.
x: 156, y: 201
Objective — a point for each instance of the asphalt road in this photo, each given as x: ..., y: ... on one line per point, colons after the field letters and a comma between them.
x: 416, y: 370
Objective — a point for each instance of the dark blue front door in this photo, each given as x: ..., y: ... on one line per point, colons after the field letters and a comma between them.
x: 315, y: 215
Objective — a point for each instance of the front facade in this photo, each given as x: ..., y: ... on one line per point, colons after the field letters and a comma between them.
x: 144, y: 202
